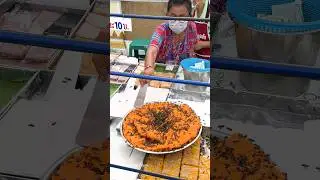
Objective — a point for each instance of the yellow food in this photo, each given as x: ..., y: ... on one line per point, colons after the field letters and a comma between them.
x: 146, y: 177
x: 173, y: 167
x: 204, y: 162
x: 189, y: 172
x: 172, y: 163
x: 191, y: 155
x: 89, y: 163
x: 158, y: 84
x: 166, y: 75
x: 165, y: 85
x: 153, y: 163
x: 204, y: 165
x: 204, y: 177
x: 236, y: 157
x: 161, y: 126
x: 155, y: 84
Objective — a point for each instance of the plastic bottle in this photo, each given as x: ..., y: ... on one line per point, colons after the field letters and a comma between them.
x: 170, y: 63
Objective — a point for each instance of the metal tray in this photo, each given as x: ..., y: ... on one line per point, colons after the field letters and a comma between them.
x: 52, y: 62
x: 130, y: 69
x: 69, y: 20
x: 187, y: 95
x: 57, y: 164
x: 35, y: 91
x: 6, y: 6
x: 12, y: 74
x: 116, y: 91
x: 179, y: 91
x: 57, y: 31
x: 219, y: 134
x: 37, y: 86
x: 163, y: 66
x: 152, y: 152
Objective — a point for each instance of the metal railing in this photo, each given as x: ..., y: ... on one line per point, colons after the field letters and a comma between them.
x: 216, y: 62
x: 53, y: 42
x: 103, y: 48
x: 159, y: 17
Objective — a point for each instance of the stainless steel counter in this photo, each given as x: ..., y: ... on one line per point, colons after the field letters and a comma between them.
x: 42, y: 124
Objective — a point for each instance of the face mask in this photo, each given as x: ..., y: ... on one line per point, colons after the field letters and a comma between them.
x: 194, y: 6
x: 178, y: 26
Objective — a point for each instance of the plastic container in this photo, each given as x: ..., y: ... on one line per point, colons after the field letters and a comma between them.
x: 278, y: 42
x: 190, y: 72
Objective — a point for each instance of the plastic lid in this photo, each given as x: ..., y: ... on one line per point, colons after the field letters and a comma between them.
x: 189, y: 65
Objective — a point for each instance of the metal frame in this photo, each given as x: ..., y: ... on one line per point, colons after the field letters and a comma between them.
x: 53, y: 42
x: 159, y: 17
x: 142, y: 172
x: 216, y: 62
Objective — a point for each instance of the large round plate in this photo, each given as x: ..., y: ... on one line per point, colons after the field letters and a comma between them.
x: 59, y: 162
x: 158, y: 152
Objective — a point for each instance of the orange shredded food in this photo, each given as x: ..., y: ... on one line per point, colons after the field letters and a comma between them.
x: 89, y: 163
x: 161, y: 126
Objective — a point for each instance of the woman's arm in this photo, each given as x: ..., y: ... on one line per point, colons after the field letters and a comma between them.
x: 152, y: 52
x: 201, y: 45
x: 149, y: 63
x: 151, y: 57
x: 101, y: 62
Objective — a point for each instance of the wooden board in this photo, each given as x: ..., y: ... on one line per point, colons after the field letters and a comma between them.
x: 87, y: 66
x: 116, y: 44
x: 142, y: 28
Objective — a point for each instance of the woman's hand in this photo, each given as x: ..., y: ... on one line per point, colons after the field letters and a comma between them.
x: 149, y: 64
x: 149, y: 72
x: 201, y: 45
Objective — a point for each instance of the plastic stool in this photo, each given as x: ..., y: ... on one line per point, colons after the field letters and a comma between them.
x: 136, y: 45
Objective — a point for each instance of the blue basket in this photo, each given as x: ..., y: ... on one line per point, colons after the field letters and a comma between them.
x: 189, y: 62
x: 244, y: 12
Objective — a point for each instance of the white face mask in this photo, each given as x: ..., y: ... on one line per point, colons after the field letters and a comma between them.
x: 178, y: 26
x: 194, y: 5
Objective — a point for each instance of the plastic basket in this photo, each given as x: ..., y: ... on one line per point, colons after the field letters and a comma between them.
x: 189, y: 62
x: 244, y: 12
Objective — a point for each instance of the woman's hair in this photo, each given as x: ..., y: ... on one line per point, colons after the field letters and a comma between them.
x: 218, y: 6
x: 186, y: 3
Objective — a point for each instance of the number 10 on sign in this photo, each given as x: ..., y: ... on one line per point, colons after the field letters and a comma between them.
x: 120, y: 24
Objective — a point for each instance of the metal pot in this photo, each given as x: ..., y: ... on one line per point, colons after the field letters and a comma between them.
x: 298, y: 49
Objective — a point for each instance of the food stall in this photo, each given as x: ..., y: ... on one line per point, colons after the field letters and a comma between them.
x: 264, y: 120
x: 123, y: 102
x: 167, y: 88
x: 269, y: 107
x: 278, y: 129
x: 34, y: 89
x: 137, y: 161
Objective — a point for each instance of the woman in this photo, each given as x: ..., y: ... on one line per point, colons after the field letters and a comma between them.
x: 201, y: 10
x: 172, y: 41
